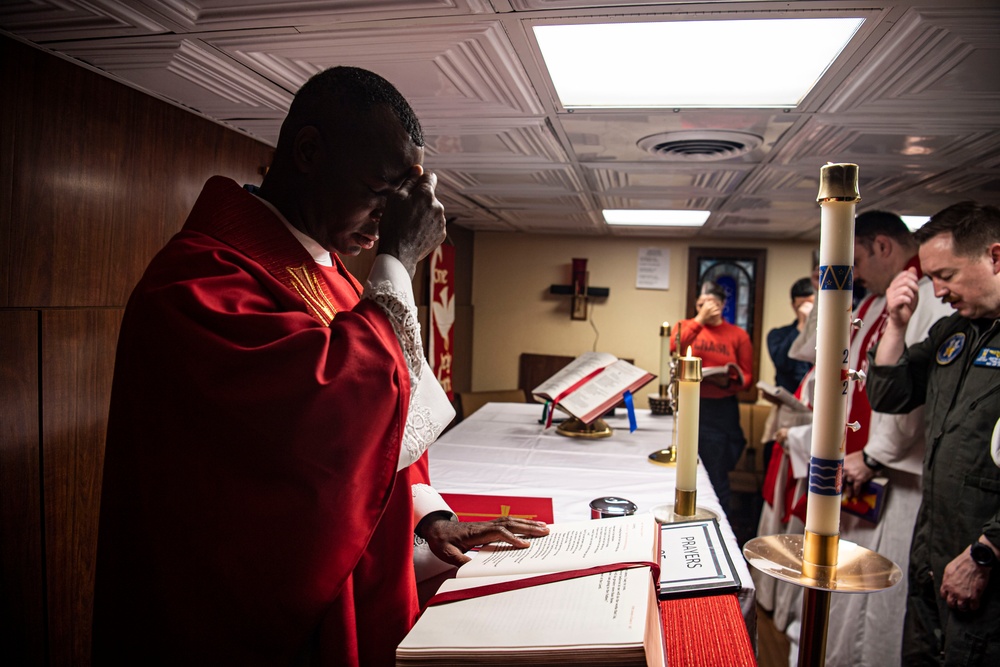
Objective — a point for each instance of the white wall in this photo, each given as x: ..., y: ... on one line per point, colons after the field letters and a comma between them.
x: 514, y: 313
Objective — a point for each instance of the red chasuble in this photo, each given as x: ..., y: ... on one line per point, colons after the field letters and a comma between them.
x: 251, y: 511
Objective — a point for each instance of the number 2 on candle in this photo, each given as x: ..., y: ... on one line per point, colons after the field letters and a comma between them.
x: 846, y: 353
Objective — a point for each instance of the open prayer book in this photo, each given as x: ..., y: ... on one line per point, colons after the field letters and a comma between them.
x: 780, y: 396
x: 723, y: 376
x: 591, y: 384
x: 582, y: 595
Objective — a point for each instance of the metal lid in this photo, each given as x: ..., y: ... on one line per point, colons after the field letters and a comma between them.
x: 611, y: 506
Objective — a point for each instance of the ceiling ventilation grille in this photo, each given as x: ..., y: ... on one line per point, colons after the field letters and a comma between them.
x: 699, y: 145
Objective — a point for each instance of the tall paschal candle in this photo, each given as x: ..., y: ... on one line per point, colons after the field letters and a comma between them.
x: 838, y: 196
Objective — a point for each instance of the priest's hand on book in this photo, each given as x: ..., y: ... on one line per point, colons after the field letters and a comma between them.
x: 449, y: 540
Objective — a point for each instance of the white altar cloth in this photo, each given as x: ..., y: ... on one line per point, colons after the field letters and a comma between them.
x: 502, y: 449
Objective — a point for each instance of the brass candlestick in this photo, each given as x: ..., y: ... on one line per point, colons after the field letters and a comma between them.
x: 668, y: 456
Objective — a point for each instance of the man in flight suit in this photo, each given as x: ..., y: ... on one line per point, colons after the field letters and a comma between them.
x: 953, y: 605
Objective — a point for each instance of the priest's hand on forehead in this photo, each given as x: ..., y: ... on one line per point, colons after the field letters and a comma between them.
x: 413, y: 222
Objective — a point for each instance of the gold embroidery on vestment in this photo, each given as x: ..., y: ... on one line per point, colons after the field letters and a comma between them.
x: 308, y: 287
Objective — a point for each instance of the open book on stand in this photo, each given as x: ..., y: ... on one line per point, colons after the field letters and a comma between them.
x: 780, y: 396
x: 584, y: 595
x: 592, y: 384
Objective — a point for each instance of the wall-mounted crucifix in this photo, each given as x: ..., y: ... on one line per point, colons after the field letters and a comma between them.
x: 580, y: 289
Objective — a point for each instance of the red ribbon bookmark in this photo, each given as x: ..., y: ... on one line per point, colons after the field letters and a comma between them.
x: 576, y: 385
x: 504, y: 586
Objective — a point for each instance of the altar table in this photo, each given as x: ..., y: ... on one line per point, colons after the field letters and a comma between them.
x: 503, y: 449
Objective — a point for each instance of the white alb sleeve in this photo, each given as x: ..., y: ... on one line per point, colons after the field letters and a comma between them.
x: 425, y: 501
x: 389, y: 286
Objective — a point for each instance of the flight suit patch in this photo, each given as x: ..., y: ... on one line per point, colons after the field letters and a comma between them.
x: 950, y: 349
x: 988, y: 357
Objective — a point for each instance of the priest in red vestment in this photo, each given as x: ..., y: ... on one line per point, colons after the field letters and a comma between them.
x: 258, y: 493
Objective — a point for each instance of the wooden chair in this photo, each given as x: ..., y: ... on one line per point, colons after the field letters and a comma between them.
x: 470, y: 401
x: 534, y: 369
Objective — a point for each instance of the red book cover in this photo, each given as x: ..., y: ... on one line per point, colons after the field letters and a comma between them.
x: 472, y: 507
x: 869, y: 504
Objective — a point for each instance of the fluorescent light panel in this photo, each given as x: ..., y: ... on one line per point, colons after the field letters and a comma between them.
x: 741, y: 63
x: 656, y: 217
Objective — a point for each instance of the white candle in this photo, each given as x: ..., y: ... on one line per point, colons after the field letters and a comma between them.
x: 688, y: 410
x: 664, y: 358
x: 834, y: 303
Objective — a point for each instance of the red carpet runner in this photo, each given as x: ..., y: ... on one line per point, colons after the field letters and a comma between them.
x: 706, y: 632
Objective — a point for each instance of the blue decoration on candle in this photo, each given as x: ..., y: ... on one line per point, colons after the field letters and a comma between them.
x: 630, y: 407
x: 826, y: 476
x: 836, y: 277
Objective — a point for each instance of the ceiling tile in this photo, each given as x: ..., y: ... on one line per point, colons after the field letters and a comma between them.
x: 205, y: 15
x: 461, y: 71
x: 188, y: 72
x: 472, y: 144
x: 934, y: 60
x: 54, y: 20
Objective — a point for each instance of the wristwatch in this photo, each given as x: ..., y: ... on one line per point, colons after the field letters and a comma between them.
x: 871, y: 462
x: 982, y: 555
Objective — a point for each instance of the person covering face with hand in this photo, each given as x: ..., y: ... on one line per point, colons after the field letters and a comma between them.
x: 265, y: 464
x: 789, y: 372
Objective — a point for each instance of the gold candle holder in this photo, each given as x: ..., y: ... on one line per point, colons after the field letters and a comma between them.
x: 685, y: 502
x: 688, y: 370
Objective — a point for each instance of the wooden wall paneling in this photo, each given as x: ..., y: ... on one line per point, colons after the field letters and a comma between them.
x: 8, y: 82
x: 175, y: 152
x: 22, y: 597
x: 104, y: 175
x: 69, y: 177
x: 78, y: 352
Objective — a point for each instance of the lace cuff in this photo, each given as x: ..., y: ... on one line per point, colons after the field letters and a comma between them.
x: 398, y: 307
x: 430, y: 410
